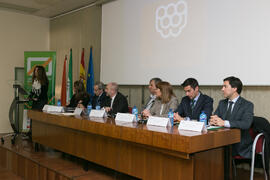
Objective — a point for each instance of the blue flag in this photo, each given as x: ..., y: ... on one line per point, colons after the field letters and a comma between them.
x: 90, y: 75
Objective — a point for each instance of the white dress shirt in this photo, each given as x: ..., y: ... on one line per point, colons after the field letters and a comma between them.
x: 226, y: 122
x: 112, y: 100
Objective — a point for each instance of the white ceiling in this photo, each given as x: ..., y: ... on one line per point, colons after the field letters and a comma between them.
x: 45, y: 8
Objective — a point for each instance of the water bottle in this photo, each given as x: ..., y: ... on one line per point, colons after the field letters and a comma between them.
x: 58, y: 102
x: 97, y: 106
x: 203, y: 118
x: 135, y: 112
x: 89, y: 108
x: 170, y: 116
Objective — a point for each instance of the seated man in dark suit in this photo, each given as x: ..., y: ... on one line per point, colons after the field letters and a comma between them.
x: 235, y: 112
x: 100, y: 97
x: 117, y: 103
x: 194, y: 103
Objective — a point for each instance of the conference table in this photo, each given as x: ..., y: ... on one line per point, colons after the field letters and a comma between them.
x: 145, y: 152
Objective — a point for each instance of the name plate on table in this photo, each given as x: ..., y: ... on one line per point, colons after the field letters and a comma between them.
x: 126, y: 124
x: 54, y: 109
x: 191, y: 126
x: 78, y: 111
x: 158, y: 121
x: 125, y: 117
x: 97, y: 113
x: 157, y: 128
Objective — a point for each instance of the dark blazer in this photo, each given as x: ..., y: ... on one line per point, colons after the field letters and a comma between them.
x: 241, y: 118
x: 42, y: 98
x: 204, y: 103
x: 101, y: 100
x: 82, y: 96
x: 120, y: 104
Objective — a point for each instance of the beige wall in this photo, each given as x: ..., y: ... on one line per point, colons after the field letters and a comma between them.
x: 18, y: 33
x: 77, y: 30
x: 83, y: 29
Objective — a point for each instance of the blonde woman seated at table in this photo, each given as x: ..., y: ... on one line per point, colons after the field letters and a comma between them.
x: 165, y: 101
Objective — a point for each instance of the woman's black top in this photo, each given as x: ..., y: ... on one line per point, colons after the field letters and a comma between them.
x: 40, y: 93
x: 82, y: 96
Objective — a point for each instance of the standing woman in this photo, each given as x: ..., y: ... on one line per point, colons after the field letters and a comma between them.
x: 165, y: 101
x: 38, y: 94
x: 39, y: 90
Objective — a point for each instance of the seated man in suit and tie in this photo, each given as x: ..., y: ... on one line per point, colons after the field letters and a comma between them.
x: 100, y: 97
x: 152, y: 88
x: 235, y: 112
x: 117, y: 103
x: 194, y: 103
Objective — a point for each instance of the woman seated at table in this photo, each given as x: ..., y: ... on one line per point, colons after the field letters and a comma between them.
x: 80, y: 97
x: 165, y: 101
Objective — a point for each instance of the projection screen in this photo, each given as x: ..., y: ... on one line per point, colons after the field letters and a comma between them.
x: 176, y: 39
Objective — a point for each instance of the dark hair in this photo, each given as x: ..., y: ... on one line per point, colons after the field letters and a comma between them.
x: 79, y: 87
x: 100, y: 85
x: 41, y: 77
x: 235, y: 83
x: 190, y: 82
x: 156, y: 80
x: 166, y: 91
x: 84, y: 97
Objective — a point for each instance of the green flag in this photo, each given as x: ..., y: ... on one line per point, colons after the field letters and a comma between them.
x: 70, y: 82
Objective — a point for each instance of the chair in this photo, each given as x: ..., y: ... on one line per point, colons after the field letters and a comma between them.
x: 130, y: 109
x: 258, y: 147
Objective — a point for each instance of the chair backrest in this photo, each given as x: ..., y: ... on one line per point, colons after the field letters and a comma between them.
x: 259, y: 145
x: 259, y: 142
x: 130, y: 110
x: 252, y: 133
x: 260, y: 125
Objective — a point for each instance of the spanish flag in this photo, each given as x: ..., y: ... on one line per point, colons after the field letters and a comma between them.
x: 82, y: 69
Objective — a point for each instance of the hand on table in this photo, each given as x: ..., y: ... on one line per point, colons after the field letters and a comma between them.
x: 216, y: 121
x: 177, y: 117
x: 146, y: 113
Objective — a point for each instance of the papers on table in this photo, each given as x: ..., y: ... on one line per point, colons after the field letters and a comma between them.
x: 53, y: 109
x: 214, y: 127
x: 68, y: 114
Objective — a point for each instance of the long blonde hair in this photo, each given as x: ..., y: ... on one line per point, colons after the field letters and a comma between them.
x: 166, y: 91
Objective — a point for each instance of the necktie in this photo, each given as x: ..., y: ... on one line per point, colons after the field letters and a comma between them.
x: 97, y: 103
x: 192, y: 104
x: 229, y: 111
